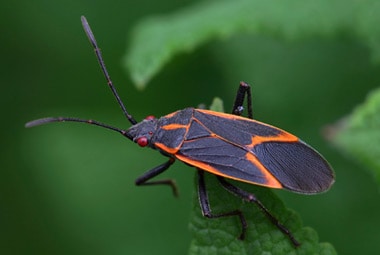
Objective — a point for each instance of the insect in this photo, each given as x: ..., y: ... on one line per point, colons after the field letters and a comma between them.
x: 227, y: 145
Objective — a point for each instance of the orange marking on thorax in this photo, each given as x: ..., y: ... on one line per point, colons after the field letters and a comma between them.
x: 173, y: 126
x: 171, y: 114
x: 165, y: 148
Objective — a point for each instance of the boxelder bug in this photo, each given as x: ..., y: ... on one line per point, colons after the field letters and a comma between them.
x: 226, y: 145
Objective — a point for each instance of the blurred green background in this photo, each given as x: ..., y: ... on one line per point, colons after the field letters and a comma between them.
x: 69, y: 189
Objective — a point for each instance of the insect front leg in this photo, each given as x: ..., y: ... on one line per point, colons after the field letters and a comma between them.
x: 205, y: 205
x: 238, y: 108
x: 252, y: 198
x: 144, y: 179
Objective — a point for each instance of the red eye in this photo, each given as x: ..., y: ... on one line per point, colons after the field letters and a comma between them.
x: 142, y: 141
x: 150, y: 117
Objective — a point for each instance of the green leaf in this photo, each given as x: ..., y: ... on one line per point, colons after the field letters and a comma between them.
x: 359, y: 135
x: 217, y: 105
x: 155, y: 40
x: 220, y: 236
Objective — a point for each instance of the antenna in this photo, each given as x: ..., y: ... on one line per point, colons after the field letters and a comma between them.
x: 63, y: 119
x: 98, y: 54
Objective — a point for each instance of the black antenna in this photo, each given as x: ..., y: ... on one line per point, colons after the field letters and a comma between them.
x: 63, y: 119
x: 98, y: 54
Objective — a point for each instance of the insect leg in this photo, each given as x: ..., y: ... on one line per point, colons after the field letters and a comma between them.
x: 252, y: 199
x: 205, y: 205
x: 144, y: 179
x: 244, y: 89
